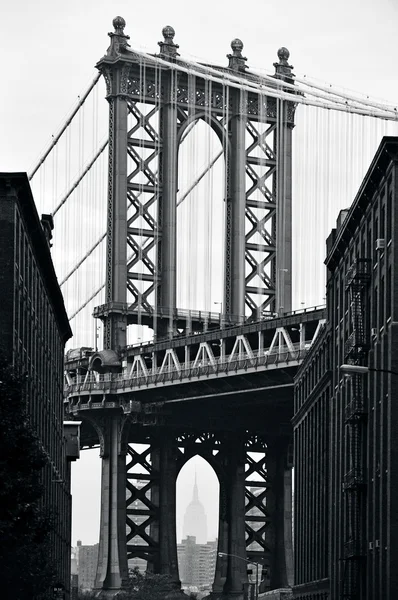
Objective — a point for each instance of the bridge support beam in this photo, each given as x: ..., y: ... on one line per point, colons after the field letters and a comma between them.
x: 167, y: 511
x: 284, y: 211
x: 167, y: 246
x: 280, y: 508
x: 230, y: 575
x: 115, y: 326
x: 237, y: 571
x: 234, y: 301
x: 112, y: 571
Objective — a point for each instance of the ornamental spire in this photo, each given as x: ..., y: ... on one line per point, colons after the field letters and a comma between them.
x: 168, y: 48
x: 118, y: 37
x: 237, y: 62
x: 282, y: 68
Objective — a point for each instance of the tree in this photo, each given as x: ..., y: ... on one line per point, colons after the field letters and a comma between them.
x: 142, y: 586
x: 24, y: 526
x: 148, y: 586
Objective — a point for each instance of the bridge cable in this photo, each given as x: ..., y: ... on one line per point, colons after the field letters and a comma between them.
x: 79, y: 179
x: 65, y: 126
x: 244, y: 84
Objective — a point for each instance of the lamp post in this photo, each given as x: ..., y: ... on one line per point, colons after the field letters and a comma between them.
x: 252, y: 562
x: 362, y: 370
x: 221, y: 315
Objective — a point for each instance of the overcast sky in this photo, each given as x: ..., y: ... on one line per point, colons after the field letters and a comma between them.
x: 49, y: 53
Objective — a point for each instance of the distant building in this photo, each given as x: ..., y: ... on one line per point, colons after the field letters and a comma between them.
x: 87, y: 558
x: 34, y: 329
x: 345, y: 427
x: 74, y: 581
x: 195, y: 519
x: 197, y: 562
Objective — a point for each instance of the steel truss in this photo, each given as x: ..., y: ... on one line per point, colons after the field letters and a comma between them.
x: 161, y: 102
x: 144, y: 493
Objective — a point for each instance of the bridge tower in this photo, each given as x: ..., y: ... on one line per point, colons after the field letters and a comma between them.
x: 153, y: 101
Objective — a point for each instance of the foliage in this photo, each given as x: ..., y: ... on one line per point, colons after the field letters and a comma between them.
x: 147, y: 586
x: 24, y: 527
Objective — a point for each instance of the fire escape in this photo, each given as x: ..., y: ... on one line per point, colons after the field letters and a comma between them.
x: 355, y: 415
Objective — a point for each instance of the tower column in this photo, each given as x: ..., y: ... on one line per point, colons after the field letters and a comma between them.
x: 234, y: 301
x: 237, y: 568
x: 220, y: 576
x: 167, y: 533
x: 115, y: 325
x: 284, y: 212
x: 167, y: 259
x: 285, y: 112
x: 112, y: 571
x: 280, y: 509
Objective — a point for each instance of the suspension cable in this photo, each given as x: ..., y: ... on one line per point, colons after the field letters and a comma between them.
x: 200, y: 177
x: 79, y: 179
x: 250, y: 86
x: 65, y: 126
x: 97, y: 291
x: 81, y: 261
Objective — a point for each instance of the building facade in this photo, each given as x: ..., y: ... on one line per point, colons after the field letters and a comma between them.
x: 87, y: 558
x: 34, y: 329
x: 311, y: 461
x: 197, y: 563
x: 356, y: 545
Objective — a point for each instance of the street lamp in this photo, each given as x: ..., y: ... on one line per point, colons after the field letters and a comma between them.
x: 252, y: 562
x: 221, y: 315
x: 362, y: 370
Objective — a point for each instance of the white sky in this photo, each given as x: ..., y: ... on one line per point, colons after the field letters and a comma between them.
x: 49, y: 50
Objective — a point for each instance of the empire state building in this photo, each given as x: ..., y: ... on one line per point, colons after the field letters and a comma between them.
x: 195, y: 519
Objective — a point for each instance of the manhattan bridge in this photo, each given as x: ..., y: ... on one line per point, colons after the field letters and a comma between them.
x: 185, y: 222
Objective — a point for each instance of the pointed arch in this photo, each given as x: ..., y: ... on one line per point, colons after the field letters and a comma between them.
x: 217, y: 126
x: 201, y: 212
x: 197, y: 498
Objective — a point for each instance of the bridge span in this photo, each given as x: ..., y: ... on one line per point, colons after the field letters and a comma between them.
x: 224, y: 394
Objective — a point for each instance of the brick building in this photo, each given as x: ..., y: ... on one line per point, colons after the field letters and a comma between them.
x: 311, y: 445
x: 87, y: 558
x: 346, y: 426
x: 34, y: 328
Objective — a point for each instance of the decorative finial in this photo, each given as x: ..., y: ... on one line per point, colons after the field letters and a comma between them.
x: 283, y: 55
x: 282, y: 68
x: 119, y: 24
x: 237, y: 45
x: 118, y: 37
x: 168, y: 49
x: 168, y: 33
x: 236, y: 60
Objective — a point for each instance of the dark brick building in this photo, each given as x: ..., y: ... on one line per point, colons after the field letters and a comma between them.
x: 34, y: 328
x: 311, y: 444
x: 346, y: 426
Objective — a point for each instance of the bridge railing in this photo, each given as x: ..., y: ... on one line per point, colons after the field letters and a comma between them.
x: 207, y: 367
